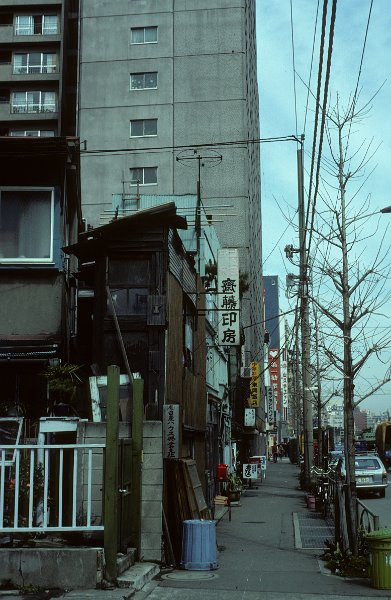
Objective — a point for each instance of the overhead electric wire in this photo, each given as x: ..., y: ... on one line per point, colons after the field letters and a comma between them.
x: 294, y: 69
x: 285, y: 138
x: 323, y: 121
x: 312, y: 60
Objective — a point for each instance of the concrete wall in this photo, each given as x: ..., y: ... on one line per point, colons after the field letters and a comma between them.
x: 50, y: 568
x: 24, y: 306
x: 152, y: 492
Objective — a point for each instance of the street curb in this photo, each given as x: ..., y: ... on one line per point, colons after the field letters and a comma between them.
x: 296, y: 528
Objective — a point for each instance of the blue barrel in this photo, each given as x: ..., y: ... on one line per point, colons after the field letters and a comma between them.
x: 199, y: 548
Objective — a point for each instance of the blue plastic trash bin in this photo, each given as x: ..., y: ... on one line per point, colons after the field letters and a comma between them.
x: 199, y: 548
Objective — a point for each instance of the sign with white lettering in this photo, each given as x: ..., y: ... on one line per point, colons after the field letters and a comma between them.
x: 228, y: 297
x: 171, y: 430
x: 270, y: 404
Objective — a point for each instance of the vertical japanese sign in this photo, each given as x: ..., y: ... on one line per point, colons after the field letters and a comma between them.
x: 270, y: 405
x: 249, y: 417
x: 284, y: 382
x: 274, y: 370
x: 228, y: 297
x: 171, y: 430
x: 254, y: 385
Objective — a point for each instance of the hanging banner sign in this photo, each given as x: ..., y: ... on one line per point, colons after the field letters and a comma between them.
x: 171, y: 430
x: 228, y: 297
x: 274, y: 370
x: 249, y: 417
x: 270, y: 405
x: 254, y: 384
x: 284, y: 378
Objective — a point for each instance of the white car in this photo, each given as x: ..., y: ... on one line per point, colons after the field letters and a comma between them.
x: 370, y: 472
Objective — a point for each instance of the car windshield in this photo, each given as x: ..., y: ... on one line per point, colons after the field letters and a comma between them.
x: 366, y: 464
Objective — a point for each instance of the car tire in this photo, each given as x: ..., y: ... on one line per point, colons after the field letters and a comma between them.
x: 382, y: 493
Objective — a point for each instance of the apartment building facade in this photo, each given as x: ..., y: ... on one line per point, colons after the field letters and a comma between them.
x: 167, y: 98
x: 38, y: 67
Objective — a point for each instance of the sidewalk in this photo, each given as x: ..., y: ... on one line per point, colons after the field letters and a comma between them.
x: 269, y: 549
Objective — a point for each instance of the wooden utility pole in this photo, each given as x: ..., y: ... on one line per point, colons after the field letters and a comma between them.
x: 137, y: 450
x: 305, y: 328
x: 110, y: 502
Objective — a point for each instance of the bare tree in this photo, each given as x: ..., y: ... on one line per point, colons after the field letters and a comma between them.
x: 349, y: 294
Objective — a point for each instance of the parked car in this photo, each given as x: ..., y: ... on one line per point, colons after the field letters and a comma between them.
x: 370, y: 472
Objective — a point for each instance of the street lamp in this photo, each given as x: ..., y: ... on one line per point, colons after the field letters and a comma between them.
x: 387, y: 209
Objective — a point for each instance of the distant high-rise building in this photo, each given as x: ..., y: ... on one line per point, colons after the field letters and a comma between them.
x: 168, y: 97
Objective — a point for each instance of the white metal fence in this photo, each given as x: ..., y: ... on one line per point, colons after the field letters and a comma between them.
x: 51, y: 487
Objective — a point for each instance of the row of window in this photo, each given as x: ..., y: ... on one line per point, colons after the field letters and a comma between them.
x: 34, y: 62
x: 49, y: 25
x: 33, y: 102
x: 36, y: 25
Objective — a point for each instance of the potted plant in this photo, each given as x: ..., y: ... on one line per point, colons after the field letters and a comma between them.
x: 234, y: 487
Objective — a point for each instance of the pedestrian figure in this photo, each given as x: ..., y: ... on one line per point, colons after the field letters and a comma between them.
x: 274, y: 452
x: 280, y: 451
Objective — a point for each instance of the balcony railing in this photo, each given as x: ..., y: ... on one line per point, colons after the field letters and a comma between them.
x: 30, y: 70
x: 32, y: 107
x: 51, y: 487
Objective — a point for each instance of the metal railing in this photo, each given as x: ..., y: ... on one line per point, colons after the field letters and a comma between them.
x: 51, y: 487
x: 366, y: 520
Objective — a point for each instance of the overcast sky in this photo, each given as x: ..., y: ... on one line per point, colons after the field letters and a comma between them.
x: 278, y: 118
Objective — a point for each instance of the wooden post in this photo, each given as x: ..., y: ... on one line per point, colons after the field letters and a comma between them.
x: 111, y: 474
x: 137, y: 449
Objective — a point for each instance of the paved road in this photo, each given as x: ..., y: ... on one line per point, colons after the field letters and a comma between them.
x: 379, y: 506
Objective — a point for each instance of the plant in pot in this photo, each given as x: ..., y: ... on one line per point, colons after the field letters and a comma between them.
x: 234, y: 487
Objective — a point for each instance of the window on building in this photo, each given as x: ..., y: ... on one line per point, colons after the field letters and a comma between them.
x: 143, y: 176
x: 143, y: 127
x: 26, y: 225
x: 36, y: 25
x: 33, y: 102
x: 143, y: 35
x: 188, y: 336
x: 129, y: 283
x: 34, y: 62
x: 32, y: 133
x: 143, y: 81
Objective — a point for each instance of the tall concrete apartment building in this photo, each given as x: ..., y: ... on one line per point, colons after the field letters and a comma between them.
x: 38, y: 67
x: 162, y: 82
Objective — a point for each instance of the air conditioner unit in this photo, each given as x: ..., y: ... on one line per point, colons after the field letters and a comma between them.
x: 245, y: 372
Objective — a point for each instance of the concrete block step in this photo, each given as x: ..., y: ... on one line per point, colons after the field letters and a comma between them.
x: 138, y: 575
x: 125, y: 561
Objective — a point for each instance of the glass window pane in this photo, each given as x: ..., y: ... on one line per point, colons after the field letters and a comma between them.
x: 151, y: 34
x: 150, y: 127
x: 50, y: 25
x: 150, y: 80
x: 136, y: 175
x: 24, y: 25
x: 136, y: 128
x: 137, y: 81
x: 150, y: 175
x: 25, y: 231
x: 137, y: 35
x: 20, y: 63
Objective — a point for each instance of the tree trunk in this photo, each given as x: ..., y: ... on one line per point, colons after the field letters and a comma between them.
x: 348, y: 386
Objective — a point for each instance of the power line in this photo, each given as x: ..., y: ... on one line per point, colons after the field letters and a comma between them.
x: 285, y: 138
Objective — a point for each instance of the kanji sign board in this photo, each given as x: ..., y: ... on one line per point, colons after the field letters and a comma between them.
x: 250, y: 471
x: 228, y: 297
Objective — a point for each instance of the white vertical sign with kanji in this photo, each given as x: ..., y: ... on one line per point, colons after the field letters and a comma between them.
x: 171, y: 430
x: 228, y: 297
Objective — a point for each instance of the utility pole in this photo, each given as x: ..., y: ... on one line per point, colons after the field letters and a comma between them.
x: 305, y: 326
